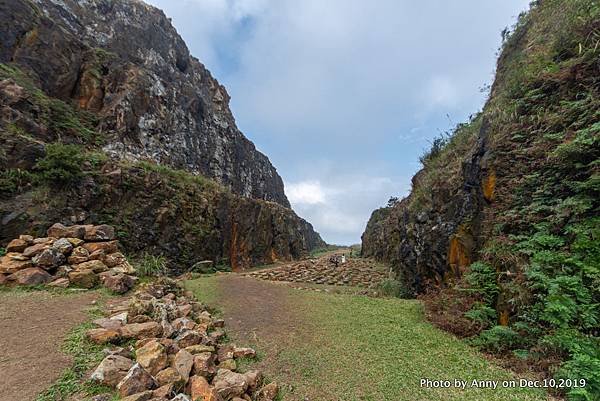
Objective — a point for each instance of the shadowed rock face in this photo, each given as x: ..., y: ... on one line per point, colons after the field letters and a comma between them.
x: 124, y: 62
x: 115, y: 79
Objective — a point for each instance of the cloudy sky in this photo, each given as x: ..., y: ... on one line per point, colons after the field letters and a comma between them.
x: 344, y: 95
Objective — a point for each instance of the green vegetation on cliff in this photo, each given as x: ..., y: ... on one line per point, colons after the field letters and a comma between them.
x: 523, y: 204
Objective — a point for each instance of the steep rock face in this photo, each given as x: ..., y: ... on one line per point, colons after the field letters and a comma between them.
x: 124, y: 62
x: 509, y: 173
x: 105, y: 118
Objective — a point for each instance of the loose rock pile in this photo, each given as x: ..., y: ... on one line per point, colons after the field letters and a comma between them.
x: 355, y: 272
x: 178, y: 354
x: 80, y: 255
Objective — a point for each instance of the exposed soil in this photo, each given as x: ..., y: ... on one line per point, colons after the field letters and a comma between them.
x: 33, y: 326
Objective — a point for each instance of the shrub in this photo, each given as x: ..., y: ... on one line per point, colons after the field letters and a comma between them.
x: 482, y: 280
x: 2, y: 251
x: 393, y: 288
x: 61, y: 165
x: 151, y: 265
x: 498, y: 339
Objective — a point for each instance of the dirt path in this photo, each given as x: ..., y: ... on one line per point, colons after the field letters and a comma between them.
x: 33, y: 326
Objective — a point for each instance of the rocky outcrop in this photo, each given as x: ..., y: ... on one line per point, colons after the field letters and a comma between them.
x: 124, y: 63
x: 106, y: 118
x: 80, y: 255
x: 185, y: 358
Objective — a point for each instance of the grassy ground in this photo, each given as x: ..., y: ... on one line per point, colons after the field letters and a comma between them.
x: 348, y: 347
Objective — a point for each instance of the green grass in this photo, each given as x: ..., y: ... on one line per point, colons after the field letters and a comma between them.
x: 348, y: 347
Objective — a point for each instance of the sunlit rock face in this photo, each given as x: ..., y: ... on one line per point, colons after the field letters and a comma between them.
x: 124, y: 62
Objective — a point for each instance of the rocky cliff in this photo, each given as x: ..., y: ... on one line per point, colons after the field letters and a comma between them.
x: 124, y: 62
x: 106, y: 118
x: 502, y: 223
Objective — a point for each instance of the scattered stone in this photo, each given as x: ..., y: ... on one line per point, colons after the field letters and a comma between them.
x: 107, y: 247
x: 183, y: 362
x: 49, y: 258
x: 102, y: 232
x: 152, y: 357
x: 253, y: 378
x: 9, y: 265
x: 108, y: 323
x: 60, y: 283
x: 188, y: 338
x: 94, y: 265
x: 16, y: 245
x: 228, y: 364
x: 141, y: 330
x: 199, y: 348
x: 30, y: 276
x: 63, y: 245
x: 83, y: 278
x: 229, y: 384
x: 204, y: 365
x: 75, y: 241
x: 112, y: 370
x: 268, y: 392
x: 169, y: 376
x: 119, y: 283
x: 243, y: 352
x: 165, y: 391
x: 103, y: 336
x: 33, y: 250
x: 60, y: 231
x: 136, y: 381
x: 200, y: 390
x: 143, y: 396
x: 183, y: 323
x: 27, y: 238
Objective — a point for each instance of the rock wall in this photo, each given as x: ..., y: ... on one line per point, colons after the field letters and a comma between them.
x: 504, y: 175
x: 123, y: 62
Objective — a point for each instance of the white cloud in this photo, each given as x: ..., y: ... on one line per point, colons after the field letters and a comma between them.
x: 306, y: 193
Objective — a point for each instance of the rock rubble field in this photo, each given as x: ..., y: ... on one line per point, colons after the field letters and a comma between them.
x: 82, y: 256
x: 176, y: 351
x: 355, y: 272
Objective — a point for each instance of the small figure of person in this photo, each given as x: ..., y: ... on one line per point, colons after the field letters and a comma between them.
x: 343, y: 258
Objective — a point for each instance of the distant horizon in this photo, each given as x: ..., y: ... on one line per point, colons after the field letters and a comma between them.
x: 344, y: 97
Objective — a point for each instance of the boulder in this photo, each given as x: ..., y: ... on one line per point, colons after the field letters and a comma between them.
x: 204, y: 365
x: 49, y: 258
x: 165, y: 391
x: 268, y: 392
x: 152, y: 357
x: 229, y: 384
x: 103, y: 336
x: 102, y: 232
x: 229, y: 364
x: 200, y: 390
x: 17, y: 245
x: 253, y: 378
x: 119, y: 283
x: 109, y: 324
x: 136, y: 381
x: 27, y: 238
x: 170, y: 376
x: 83, y: 278
x: 112, y: 370
x: 61, y: 231
x: 181, y: 397
x: 9, y: 265
x: 141, y: 330
x: 114, y: 259
x: 33, y: 250
x: 63, y: 246
x: 188, y: 338
x: 183, y: 362
x: 143, y: 396
x: 98, y: 255
x: 94, y: 265
x: 124, y: 267
x: 183, y: 323
x: 243, y: 352
x: 44, y: 240
x: 199, y: 348
x: 60, y: 283
x: 30, y: 276
x: 75, y: 241
x: 225, y: 352
x: 107, y: 247
x: 79, y: 255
